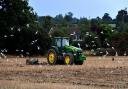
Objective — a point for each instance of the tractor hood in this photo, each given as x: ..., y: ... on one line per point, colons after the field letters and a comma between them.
x: 73, y: 49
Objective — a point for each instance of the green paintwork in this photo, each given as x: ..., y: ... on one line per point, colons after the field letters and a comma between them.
x: 56, y: 49
x: 72, y: 49
x: 77, y: 52
x: 82, y: 58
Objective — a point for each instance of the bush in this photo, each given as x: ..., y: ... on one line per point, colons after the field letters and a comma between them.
x: 111, y: 52
x: 120, y: 42
x: 107, y: 52
x: 100, y: 52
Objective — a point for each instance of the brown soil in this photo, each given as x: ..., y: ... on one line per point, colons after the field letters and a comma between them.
x: 95, y: 73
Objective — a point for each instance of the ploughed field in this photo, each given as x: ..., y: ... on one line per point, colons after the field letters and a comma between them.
x: 95, y: 73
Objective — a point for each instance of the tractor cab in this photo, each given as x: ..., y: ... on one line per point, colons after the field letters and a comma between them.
x: 61, y: 42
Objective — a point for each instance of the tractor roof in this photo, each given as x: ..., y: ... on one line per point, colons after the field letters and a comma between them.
x: 61, y: 37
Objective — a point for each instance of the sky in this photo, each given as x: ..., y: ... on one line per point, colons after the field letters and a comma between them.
x: 79, y: 8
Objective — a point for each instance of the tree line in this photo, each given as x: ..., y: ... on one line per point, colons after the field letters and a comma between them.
x: 96, y: 33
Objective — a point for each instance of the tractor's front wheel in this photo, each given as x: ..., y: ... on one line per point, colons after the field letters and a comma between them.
x: 68, y: 59
x: 52, y: 57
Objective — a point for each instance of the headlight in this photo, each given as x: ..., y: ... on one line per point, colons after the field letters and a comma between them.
x: 74, y: 54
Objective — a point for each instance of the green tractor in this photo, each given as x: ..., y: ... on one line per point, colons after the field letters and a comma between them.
x: 62, y: 52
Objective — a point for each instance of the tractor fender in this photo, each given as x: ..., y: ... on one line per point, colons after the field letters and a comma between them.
x: 55, y: 48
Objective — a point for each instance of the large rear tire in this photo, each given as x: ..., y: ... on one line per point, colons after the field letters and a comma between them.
x: 68, y: 59
x: 52, y: 57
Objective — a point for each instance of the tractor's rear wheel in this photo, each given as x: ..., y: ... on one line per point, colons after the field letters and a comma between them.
x: 68, y: 59
x: 52, y: 57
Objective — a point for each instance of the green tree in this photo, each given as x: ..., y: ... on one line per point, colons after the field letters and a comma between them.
x: 106, y: 18
x: 19, y: 26
x: 58, y: 19
x: 122, y: 20
x: 119, y: 41
x: 59, y: 33
x: 68, y: 17
x: 121, y: 16
x: 84, y: 25
x: 47, y: 23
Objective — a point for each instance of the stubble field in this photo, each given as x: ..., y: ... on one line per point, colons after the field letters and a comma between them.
x: 95, y: 73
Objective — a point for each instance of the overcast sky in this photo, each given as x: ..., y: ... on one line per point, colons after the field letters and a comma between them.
x: 80, y: 8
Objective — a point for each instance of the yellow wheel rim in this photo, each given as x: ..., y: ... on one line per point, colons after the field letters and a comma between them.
x: 51, y: 57
x: 67, y: 59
